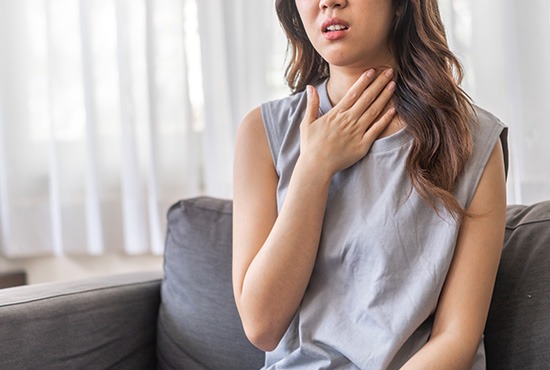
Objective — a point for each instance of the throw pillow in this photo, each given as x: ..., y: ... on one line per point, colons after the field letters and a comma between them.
x: 199, y: 326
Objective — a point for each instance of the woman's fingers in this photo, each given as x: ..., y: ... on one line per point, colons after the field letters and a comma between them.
x: 312, y: 107
x: 375, y: 97
x: 376, y: 108
x: 356, y: 90
x: 379, y: 126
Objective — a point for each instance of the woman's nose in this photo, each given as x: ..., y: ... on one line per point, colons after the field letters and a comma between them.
x: 324, y: 4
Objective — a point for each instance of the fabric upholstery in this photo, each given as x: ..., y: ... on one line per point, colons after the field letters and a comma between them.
x: 199, y: 326
x: 111, y: 322
x: 517, y: 334
x: 99, y: 323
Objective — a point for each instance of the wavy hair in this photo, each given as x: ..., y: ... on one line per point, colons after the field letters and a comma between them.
x: 428, y: 96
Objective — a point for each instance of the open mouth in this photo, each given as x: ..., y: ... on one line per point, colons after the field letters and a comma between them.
x: 335, y: 27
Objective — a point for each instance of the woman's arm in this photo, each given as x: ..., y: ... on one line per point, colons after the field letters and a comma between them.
x: 464, y: 301
x: 273, y: 255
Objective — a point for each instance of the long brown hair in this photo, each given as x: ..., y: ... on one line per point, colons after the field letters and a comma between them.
x: 428, y: 96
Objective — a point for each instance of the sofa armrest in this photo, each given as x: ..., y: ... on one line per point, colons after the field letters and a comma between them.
x: 103, y: 322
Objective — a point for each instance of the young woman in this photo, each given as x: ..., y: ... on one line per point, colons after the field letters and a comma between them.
x: 369, y: 206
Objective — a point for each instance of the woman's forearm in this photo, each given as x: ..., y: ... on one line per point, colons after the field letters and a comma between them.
x: 277, y: 277
x: 443, y: 352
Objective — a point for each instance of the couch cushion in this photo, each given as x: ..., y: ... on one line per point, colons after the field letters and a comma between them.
x: 517, y: 334
x: 199, y: 327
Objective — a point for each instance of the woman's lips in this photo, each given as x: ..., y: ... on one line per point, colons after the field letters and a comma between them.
x: 335, y: 35
x: 334, y: 28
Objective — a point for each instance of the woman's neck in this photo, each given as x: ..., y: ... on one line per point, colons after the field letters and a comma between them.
x: 341, y: 80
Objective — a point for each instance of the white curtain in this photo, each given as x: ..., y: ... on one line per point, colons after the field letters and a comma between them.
x: 106, y: 116
x: 505, y: 48
x: 242, y: 49
x: 111, y: 110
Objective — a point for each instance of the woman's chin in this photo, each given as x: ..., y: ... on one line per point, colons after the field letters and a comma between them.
x: 346, y: 58
x: 348, y: 63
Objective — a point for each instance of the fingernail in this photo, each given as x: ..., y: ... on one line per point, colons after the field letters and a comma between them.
x: 309, y: 90
x: 389, y: 72
x: 370, y: 73
x: 391, y: 86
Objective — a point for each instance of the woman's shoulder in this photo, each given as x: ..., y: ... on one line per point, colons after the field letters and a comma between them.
x: 281, y: 119
x: 274, y: 110
x: 485, y: 132
x: 486, y: 121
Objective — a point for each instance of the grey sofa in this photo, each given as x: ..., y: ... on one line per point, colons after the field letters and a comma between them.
x: 185, y: 318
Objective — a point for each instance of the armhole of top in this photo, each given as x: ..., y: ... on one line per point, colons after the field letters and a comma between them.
x: 498, y: 132
x: 505, y: 153
x: 270, y: 132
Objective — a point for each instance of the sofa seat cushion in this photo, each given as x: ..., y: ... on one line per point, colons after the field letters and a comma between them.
x: 517, y: 334
x: 199, y: 326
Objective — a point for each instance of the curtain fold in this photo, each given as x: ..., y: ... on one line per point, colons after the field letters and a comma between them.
x: 92, y: 200
x: 242, y: 46
x: 217, y: 139
x: 99, y: 129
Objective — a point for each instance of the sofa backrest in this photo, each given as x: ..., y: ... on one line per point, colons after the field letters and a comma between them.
x: 517, y: 334
x: 199, y: 327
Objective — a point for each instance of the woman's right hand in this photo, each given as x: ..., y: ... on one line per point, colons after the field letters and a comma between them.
x: 345, y: 134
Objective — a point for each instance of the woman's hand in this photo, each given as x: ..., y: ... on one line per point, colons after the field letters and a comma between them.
x: 345, y: 134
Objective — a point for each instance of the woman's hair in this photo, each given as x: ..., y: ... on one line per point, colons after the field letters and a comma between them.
x: 427, y: 97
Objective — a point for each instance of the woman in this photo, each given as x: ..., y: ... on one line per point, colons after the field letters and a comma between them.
x: 369, y: 206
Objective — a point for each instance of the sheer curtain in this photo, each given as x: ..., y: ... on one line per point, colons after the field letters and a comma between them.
x: 505, y: 48
x: 242, y: 55
x: 111, y: 110
x: 106, y: 116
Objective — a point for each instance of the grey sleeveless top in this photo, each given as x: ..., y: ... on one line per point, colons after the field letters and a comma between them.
x: 383, y: 255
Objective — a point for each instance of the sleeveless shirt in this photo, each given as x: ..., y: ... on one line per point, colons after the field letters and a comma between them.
x: 383, y: 254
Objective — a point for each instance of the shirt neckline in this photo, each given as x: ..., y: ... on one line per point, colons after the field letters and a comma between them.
x: 387, y: 143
